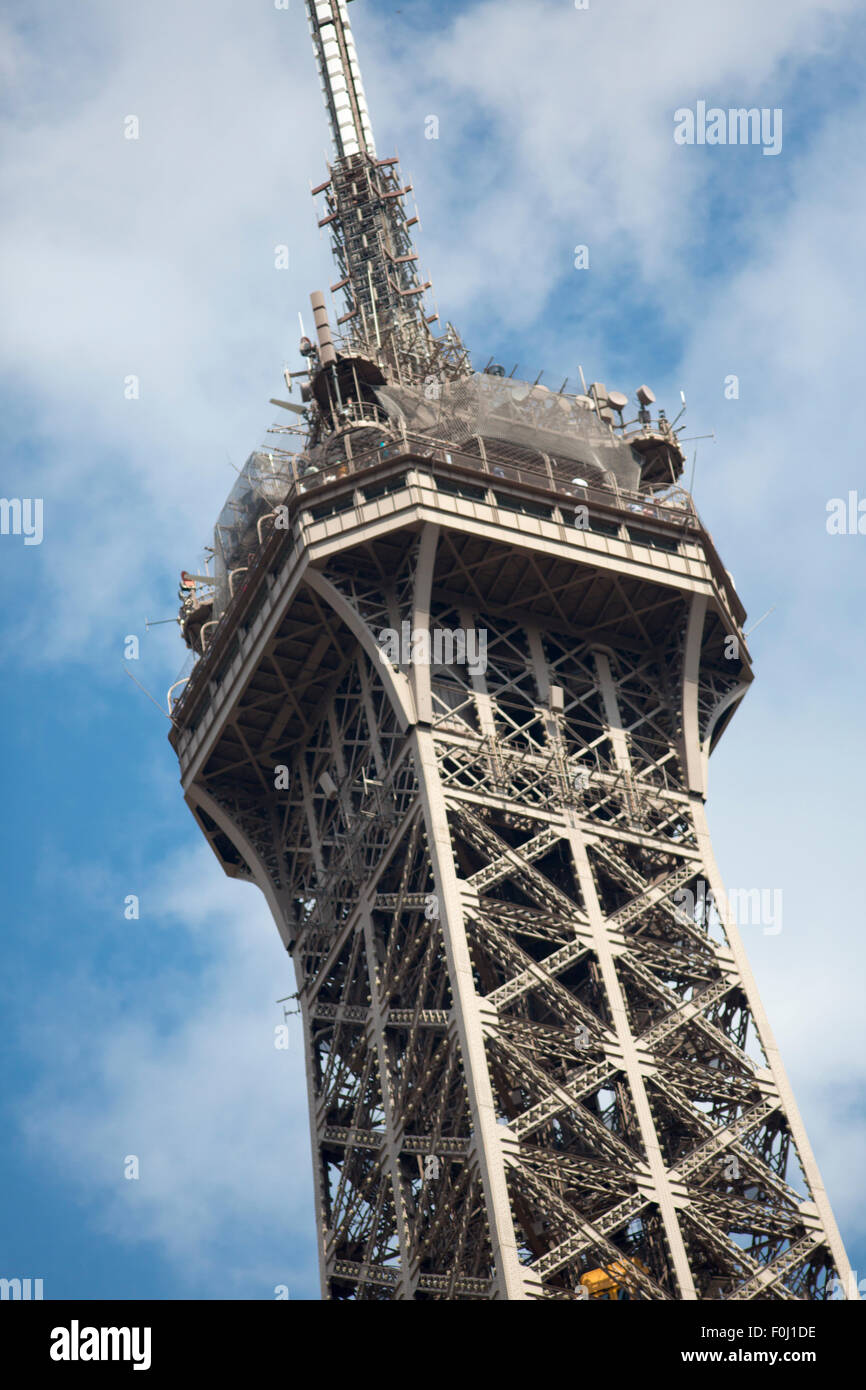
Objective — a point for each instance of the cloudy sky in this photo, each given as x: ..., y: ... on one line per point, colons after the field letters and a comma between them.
x: 154, y: 258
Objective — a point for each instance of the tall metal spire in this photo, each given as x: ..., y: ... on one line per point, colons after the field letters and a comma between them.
x: 386, y: 320
x: 340, y: 75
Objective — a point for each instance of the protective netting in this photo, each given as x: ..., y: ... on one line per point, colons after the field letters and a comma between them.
x: 262, y: 483
x: 520, y: 416
x: 517, y: 413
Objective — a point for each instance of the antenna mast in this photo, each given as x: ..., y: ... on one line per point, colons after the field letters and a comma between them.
x: 386, y: 320
x: 340, y: 75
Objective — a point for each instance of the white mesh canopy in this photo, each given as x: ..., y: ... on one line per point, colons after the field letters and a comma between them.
x: 516, y: 413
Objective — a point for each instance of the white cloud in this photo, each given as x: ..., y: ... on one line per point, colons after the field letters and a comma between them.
x: 183, y: 1073
x: 155, y: 258
x: 571, y: 121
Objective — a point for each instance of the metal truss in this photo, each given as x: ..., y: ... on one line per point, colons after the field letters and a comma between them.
x: 525, y: 1057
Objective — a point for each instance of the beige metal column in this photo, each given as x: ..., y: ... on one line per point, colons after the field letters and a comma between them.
x: 376, y: 1037
x: 664, y: 1192
x: 511, y: 1279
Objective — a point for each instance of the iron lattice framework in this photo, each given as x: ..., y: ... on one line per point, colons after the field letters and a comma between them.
x: 525, y: 1057
x: 532, y: 1048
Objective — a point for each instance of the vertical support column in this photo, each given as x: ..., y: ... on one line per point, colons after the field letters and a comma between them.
x: 693, y: 765
x: 607, y: 686
x: 511, y: 1282
x: 318, y: 1176
x: 663, y: 1193
x: 421, y: 615
x: 483, y: 701
x: 408, y: 1275
x: 553, y: 731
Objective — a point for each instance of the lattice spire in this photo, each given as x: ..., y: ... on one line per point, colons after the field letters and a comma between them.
x: 386, y: 317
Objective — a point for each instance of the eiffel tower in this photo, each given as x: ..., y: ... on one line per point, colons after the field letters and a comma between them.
x: 462, y: 655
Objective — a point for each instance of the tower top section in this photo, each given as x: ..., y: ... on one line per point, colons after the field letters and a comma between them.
x: 386, y: 327
x: 340, y: 76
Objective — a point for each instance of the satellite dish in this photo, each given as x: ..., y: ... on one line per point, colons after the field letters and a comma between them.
x: 617, y: 401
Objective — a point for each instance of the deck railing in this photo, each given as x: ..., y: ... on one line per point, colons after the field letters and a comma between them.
x: 495, y: 464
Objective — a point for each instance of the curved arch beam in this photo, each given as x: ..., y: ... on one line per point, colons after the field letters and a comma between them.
x: 278, y: 902
x: 733, y: 697
x: 395, y: 683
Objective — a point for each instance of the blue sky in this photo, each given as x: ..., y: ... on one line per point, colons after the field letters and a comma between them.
x: 155, y: 257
